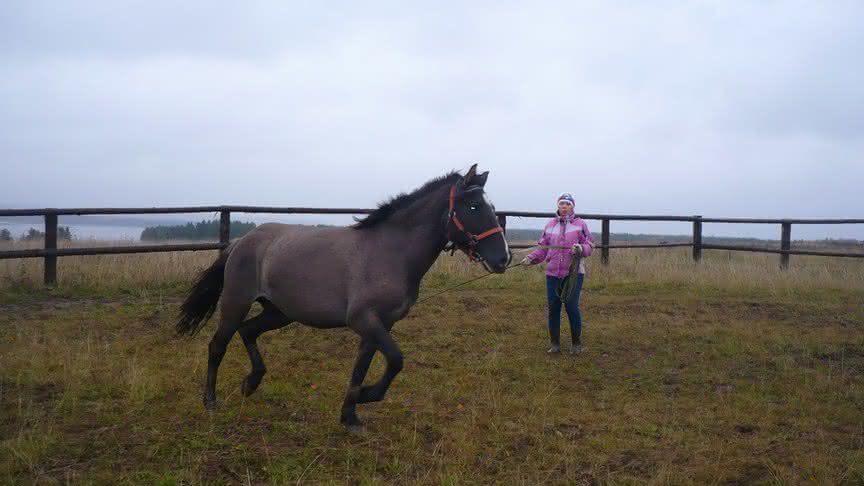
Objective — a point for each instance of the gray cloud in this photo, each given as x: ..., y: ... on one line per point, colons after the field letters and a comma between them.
x: 735, y: 108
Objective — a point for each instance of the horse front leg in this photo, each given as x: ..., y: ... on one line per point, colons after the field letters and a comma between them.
x: 391, y: 351
x: 361, y: 367
x: 374, y: 337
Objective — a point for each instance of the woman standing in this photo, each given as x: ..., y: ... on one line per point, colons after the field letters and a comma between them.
x: 564, y: 238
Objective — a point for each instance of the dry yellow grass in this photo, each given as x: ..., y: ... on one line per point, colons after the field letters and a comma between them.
x: 106, y: 272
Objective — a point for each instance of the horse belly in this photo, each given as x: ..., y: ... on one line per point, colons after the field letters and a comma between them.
x: 312, y: 303
x: 305, y: 308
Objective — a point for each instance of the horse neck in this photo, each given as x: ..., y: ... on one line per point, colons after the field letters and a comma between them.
x: 423, y: 227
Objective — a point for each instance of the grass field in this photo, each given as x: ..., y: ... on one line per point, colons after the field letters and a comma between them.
x: 727, y: 372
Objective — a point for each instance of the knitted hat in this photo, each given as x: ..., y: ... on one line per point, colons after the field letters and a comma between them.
x: 567, y: 197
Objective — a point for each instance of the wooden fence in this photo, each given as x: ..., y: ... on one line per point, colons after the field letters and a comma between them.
x: 50, y: 252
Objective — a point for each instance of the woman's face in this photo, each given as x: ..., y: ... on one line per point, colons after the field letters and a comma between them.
x: 565, y: 209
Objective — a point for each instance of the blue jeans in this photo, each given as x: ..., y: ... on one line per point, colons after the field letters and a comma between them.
x: 572, y: 307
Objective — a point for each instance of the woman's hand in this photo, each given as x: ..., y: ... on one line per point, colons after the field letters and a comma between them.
x: 577, y: 249
x: 526, y: 261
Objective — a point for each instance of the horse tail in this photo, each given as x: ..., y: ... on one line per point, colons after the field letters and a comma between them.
x: 203, y: 297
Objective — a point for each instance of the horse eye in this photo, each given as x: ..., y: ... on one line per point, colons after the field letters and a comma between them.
x: 473, y: 207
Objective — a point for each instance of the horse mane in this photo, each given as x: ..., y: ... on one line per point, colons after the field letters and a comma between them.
x: 387, y: 209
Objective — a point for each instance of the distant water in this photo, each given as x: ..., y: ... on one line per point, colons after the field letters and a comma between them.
x: 81, y: 231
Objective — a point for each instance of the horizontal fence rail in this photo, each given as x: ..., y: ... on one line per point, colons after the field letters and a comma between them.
x: 784, y: 252
x: 109, y: 250
x: 176, y: 210
x: 51, y: 252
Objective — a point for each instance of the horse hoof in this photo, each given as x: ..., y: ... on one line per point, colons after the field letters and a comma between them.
x: 248, y: 387
x: 354, y: 427
x: 211, y: 404
x: 351, y: 422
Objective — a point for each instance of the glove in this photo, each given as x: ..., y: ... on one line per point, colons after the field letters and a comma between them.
x: 526, y: 261
x: 577, y: 250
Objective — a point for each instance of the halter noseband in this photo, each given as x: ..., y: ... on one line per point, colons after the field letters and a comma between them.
x: 471, y: 248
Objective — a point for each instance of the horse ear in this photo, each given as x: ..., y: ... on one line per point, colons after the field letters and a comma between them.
x: 472, y: 172
x: 480, y: 180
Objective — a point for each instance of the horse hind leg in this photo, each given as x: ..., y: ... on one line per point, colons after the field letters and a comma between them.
x: 233, y: 312
x: 269, y: 319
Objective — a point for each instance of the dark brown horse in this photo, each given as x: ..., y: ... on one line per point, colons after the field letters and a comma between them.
x: 365, y: 277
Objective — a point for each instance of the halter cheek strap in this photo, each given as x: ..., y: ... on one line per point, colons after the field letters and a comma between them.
x: 471, y: 247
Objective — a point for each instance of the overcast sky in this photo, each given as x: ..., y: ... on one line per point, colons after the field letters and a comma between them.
x: 728, y: 108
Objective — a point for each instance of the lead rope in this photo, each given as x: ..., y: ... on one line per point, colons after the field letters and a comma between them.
x: 463, y: 283
x: 568, y: 283
x: 564, y: 290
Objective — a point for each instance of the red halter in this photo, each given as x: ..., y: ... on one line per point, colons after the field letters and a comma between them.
x: 470, y: 250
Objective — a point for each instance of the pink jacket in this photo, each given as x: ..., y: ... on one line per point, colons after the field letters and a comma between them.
x: 566, y: 231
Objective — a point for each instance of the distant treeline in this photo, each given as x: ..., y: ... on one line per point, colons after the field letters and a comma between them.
x: 63, y: 233
x: 202, y: 230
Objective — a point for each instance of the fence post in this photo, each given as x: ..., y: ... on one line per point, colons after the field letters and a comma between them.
x: 50, y: 276
x: 785, y: 244
x: 502, y: 221
x: 604, y: 240
x: 697, y: 239
x: 224, y: 228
